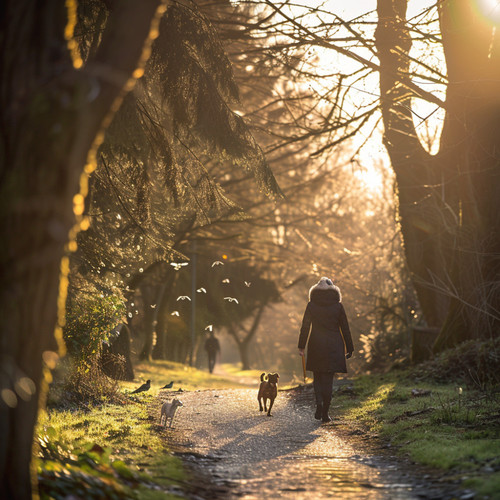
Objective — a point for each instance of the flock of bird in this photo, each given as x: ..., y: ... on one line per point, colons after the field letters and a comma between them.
x: 179, y: 265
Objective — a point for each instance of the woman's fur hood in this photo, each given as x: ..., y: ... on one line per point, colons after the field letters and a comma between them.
x: 325, y: 288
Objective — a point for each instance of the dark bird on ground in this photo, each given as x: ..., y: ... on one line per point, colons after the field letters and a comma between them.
x: 169, y: 385
x: 143, y: 387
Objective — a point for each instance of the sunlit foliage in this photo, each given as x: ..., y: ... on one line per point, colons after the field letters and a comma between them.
x: 91, y: 317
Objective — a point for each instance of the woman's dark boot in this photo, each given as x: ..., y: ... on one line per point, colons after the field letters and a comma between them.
x: 324, y: 414
x: 319, y: 411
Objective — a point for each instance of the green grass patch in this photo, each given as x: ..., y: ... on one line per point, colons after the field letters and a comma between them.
x: 184, y: 377
x: 112, y: 449
x: 450, y: 428
x: 116, y: 450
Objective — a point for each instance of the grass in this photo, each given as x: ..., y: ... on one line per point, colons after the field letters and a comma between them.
x: 236, y: 372
x: 117, y: 449
x: 451, y: 429
x: 184, y: 377
x: 138, y: 459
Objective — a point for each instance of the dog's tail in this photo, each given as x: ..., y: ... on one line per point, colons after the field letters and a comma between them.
x: 262, y: 376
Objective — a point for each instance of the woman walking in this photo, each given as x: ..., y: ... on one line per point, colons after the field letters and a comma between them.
x: 330, y: 342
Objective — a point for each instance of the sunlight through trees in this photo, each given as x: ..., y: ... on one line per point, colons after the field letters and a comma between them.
x: 173, y: 168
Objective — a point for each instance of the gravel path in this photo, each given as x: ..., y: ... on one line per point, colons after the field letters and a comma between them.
x: 235, y: 451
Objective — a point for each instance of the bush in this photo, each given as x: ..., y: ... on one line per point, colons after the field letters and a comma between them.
x: 381, y: 350
x: 474, y: 362
x: 91, y: 316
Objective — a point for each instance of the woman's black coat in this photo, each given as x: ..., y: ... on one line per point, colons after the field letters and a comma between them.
x: 330, y: 336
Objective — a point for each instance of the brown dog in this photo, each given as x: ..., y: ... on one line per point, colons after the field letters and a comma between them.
x: 268, y: 390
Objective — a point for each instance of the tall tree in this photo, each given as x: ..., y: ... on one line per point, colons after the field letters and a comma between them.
x: 54, y: 110
x: 449, y: 203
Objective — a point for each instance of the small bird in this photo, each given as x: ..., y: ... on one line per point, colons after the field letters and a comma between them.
x: 231, y: 299
x: 183, y: 297
x: 248, y: 283
x: 178, y: 265
x: 217, y: 263
x: 143, y: 387
x: 209, y: 328
x: 169, y: 385
x: 175, y: 313
x: 201, y: 290
x: 226, y: 280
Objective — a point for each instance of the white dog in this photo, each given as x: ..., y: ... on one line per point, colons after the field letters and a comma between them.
x: 168, y: 411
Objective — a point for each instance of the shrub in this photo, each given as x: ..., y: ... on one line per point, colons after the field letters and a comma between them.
x: 91, y: 316
x: 474, y: 362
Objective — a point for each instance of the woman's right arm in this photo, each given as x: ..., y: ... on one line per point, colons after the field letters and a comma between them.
x: 304, y: 329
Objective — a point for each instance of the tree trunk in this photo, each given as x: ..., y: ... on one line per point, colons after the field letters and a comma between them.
x: 244, y: 355
x: 243, y: 345
x: 419, y: 205
x: 161, y: 349
x: 449, y: 203
x: 51, y: 116
x: 116, y: 361
x: 148, y: 297
x: 469, y: 151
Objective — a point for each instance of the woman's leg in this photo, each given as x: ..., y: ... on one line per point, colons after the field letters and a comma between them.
x: 318, y: 394
x: 327, y: 388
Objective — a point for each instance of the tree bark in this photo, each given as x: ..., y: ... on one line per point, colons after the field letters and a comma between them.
x: 52, y: 117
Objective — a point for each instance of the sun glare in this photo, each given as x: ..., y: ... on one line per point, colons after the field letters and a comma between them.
x: 371, y: 177
x: 490, y: 9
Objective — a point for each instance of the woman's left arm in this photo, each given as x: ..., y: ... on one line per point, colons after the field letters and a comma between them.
x: 346, y: 332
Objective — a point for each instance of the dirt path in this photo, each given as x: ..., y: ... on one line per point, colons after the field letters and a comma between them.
x: 237, y: 452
